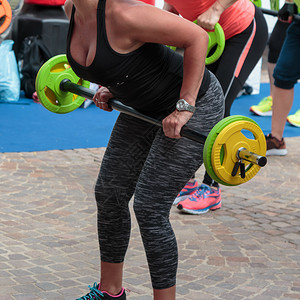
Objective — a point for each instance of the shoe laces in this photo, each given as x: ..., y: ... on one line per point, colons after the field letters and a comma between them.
x: 94, y: 294
x: 265, y: 100
x: 200, y: 192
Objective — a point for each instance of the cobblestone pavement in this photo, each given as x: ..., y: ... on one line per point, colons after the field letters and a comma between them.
x: 249, y: 249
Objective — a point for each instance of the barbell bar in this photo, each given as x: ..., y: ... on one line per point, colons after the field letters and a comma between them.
x: 274, y: 13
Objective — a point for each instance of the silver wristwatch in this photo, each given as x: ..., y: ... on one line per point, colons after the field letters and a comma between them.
x: 183, y: 105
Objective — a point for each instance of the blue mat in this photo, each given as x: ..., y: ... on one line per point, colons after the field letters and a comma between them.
x: 26, y: 126
x: 242, y: 104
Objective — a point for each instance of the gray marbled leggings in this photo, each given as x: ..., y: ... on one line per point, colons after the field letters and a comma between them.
x: 141, y: 160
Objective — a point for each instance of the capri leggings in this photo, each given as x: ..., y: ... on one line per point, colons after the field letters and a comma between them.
x: 240, y: 56
x: 141, y: 160
x: 287, y: 69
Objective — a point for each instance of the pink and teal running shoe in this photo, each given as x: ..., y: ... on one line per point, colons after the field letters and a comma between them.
x: 188, y: 190
x: 96, y: 294
x: 204, y: 199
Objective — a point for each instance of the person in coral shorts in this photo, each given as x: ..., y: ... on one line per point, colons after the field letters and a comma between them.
x: 246, y: 35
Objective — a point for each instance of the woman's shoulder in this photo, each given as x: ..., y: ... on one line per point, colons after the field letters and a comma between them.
x: 124, y: 9
x: 125, y: 15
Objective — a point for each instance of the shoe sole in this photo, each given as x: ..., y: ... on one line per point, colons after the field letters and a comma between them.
x: 278, y: 152
x: 262, y: 114
x: 294, y: 124
x: 200, y: 211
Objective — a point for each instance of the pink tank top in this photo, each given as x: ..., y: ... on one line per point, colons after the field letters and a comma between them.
x: 233, y: 20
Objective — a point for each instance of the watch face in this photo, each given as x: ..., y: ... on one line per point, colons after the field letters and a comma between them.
x: 180, y: 105
x: 183, y: 105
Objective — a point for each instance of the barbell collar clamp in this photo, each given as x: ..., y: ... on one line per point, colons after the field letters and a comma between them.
x: 254, y: 158
x: 67, y: 86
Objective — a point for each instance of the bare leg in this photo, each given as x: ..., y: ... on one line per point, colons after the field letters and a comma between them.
x: 282, y: 103
x: 165, y: 294
x: 111, y: 277
x: 271, y: 68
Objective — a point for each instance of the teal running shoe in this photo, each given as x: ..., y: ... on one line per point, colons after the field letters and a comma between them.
x: 96, y: 294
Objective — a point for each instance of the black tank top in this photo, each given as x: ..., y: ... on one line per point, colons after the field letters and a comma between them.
x: 148, y: 79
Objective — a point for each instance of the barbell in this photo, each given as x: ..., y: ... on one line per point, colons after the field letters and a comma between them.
x: 234, y: 150
x: 216, y: 44
x: 5, y: 16
x: 274, y: 13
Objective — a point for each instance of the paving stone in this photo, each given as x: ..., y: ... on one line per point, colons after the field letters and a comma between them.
x: 249, y: 249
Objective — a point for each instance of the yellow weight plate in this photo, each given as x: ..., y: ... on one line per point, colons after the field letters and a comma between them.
x: 236, y: 135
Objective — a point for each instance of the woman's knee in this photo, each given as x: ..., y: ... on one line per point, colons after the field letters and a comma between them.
x: 109, y: 194
x: 150, y: 213
x: 100, y: 188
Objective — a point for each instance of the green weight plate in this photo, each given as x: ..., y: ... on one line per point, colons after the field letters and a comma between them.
x: 274, y: 5
x: 209, y: 144
x: 216, y: 39
x: 256, y: 2
x: 47, y: 83
x: 172, y: 47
